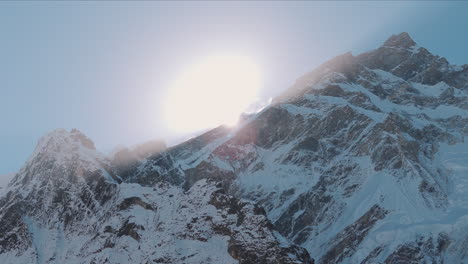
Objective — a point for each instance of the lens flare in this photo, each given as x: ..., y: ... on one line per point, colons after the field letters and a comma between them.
x: 212, y: 92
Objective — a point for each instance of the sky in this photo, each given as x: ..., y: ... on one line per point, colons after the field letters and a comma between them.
x: 105, y: 67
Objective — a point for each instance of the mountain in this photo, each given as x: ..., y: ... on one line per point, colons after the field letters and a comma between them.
x: 362, y: 160
x: 67, y: 205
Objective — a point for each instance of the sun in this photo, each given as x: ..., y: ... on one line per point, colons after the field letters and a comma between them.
x: 212, y: 92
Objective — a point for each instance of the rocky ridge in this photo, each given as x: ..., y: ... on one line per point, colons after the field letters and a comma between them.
x: 67, y: 205
x: 362, y: 160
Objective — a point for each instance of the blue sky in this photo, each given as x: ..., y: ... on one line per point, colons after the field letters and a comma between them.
x: 104, y: 67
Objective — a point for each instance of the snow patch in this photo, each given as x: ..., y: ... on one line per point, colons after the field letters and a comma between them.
x: 431, y: 90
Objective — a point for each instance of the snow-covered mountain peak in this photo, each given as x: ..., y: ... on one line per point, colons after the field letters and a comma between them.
x: 63, y: 155
x: 402, y: 40
x: 60, y: 139
x: 402, y: 57
x: 363, y: 160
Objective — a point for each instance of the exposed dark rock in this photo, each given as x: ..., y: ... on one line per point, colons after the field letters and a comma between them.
x: 345, y: 243
x: 419, y: 251
x: 263, y: 249
x: 131, y: 201
x: 130, y: 229
x: 402, y: 40
x: 206, y: 170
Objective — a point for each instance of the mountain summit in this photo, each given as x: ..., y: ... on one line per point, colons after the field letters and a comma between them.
x: 402, y: 40
x: 362, y: 160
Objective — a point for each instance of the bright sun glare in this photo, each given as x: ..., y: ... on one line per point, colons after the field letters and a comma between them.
x: 212, y: 92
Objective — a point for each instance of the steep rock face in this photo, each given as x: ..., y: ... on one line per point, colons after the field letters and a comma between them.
x: 353, y: 155
x: 344, y: 244
x: 164, y: 224
x: 66, y: 205
x: 401, y: 56
x: 65, y: 184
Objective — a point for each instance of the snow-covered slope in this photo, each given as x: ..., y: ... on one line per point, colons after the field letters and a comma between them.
x: 349, y: 162
x: 363, y: 160
x: 67, y: 205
